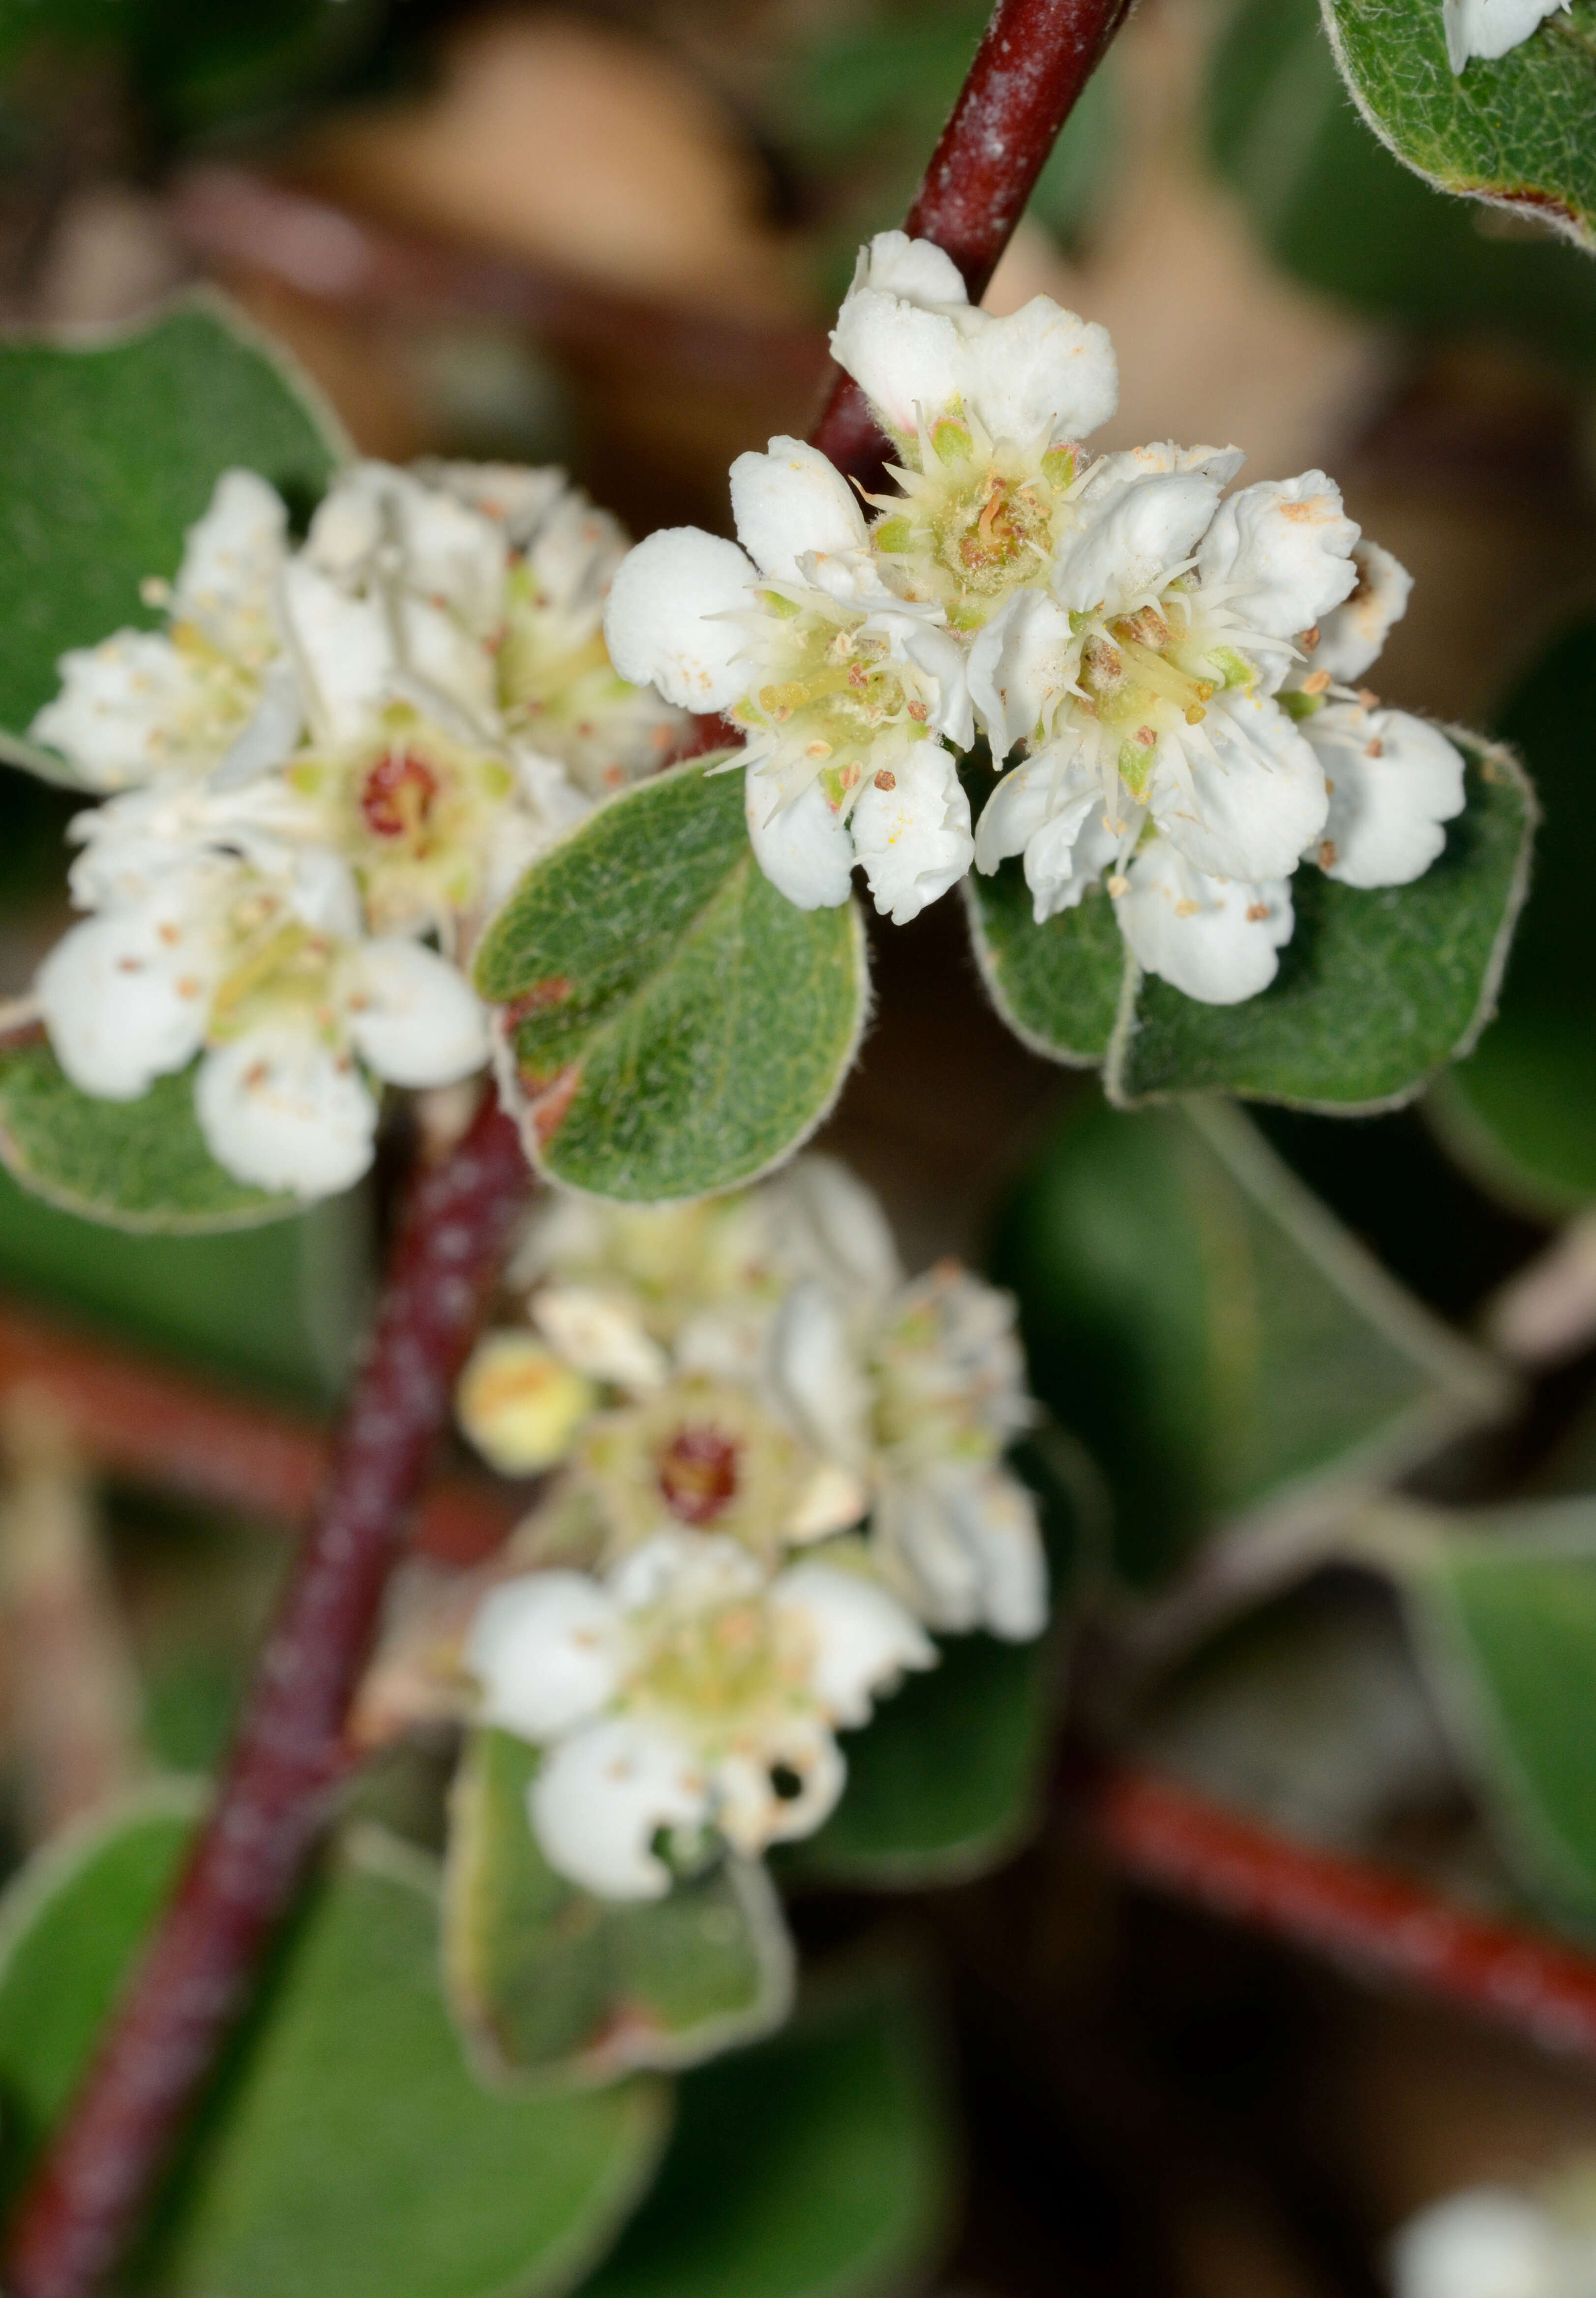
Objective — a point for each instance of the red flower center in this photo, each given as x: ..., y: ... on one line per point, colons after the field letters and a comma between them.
x: 397, y: 795
x: 697, y: 1475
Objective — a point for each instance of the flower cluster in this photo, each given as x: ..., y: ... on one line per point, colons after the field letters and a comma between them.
x: 1173, y: 663
x: 319, y: 778
x: 781, y: 1465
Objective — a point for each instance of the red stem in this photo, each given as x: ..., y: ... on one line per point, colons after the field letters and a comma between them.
x: 87, y: 2198
x: 1033, y: 62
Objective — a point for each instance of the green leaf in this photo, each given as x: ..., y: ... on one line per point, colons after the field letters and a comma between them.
x: 1506, y: 1615
x: 1516, y: 130
x: 1057, y: 985
x: 908, y: 1818
x: 1232, y: 1357
x: 139, y: 1165
x: 1375, y: 991
x: 677, y: 1026
x: 1522, y: 1110
x: 542, y: 1975
x: 108, y: 452
x: 817, y: 2165
x: 1334, y: 208
x: 348, y: 2151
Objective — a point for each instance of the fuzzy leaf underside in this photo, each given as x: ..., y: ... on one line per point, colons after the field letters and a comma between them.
x: 1377, y: 990
x: 1521, y: 1112
x: 819, y: 2164
x: 542, y: 1977
x: 110, y: 450
x: 349, y: 2152
x: 1514, y: 131
x: 1231, y: 1355
x: 140, y: 1165
x: 1505, y: 1618
x: 673, y: 1026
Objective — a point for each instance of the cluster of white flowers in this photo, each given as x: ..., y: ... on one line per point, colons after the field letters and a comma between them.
x: 1490, y: 28
x: 783, y: 1464
x: 333, y: 755
x: 1174, y: 663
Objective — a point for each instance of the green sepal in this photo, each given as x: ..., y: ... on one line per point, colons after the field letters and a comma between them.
x: 545, y: 1980
x: 673, y: 1026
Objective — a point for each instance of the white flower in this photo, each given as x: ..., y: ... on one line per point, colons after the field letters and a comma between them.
x: 1214, y: 938
x: 686, y: 1691
x: 1490, y: 28
x: 1489, y: 2242
x: 257, y: 964
x: 209, y: 691
x: 843, y: 690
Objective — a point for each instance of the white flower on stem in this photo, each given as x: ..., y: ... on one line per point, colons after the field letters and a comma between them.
x: 261, y: 971
x: 685, y: 1692
x: 1490, y: 28
x: 1393, y: 779
x: 921, y: 1397
x: 843, y: 693
x: 210, y: 691
x: 987, y: 415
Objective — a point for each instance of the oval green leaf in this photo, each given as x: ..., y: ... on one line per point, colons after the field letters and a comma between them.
x: 543, y: 1976
x: 1515, y: 129
x: 139, y: 1165
x: 1375, y: 991
x: 349, y: 2154
x: 110, y: 450
x: 673, y: 1025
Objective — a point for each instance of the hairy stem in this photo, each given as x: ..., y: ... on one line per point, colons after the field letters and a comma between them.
x: 1033, y: 62
x: 88, y: 2196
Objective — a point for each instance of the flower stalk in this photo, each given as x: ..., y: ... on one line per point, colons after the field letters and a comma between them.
x: 93, y: 2187
x: 90, y: 2192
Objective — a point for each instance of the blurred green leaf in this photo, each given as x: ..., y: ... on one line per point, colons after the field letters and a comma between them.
x: 542, y: 1975
x: 1522, y: 1110
x: 140, y: 1165
x: 1232, y: 1357
x: 1333, y: 207
x: 1375, y: 991
x: 816, y: 2165
x: 1506, y: 1615
x: 1515, y: 129
x: 350, y: 2152
x: 108, y: 452
x: 678, y: 1024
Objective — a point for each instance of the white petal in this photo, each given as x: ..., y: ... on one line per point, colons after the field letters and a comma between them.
x: 413, y: 1017
x: 126, y: 996
x: 231, y: 561
x: 1393, y: 780
x: 513, y: 497
x: 1016, y: 810
x: 443, y: 654
x: 1485, y: 2243
x: 1352, y: 635
x: 997, y: 1519
x: 1136, y: 536
x: 546, y: 1649
x: 271, y: 735
x: 913, y: 838
x: 748, y: 1811
x: 1110, y: 475
x: 661, y: 624
x: 601, y: 1333
x: 283, y: 1111
x: 816, y: 1372
x: 1283, y: 549
x: 601, y: 1798
x: 1214, y: 940
x: 1073, y: 847
x: 826, y: 1221
x: 915, y: 268
x: 344, y: 651
x: 904, y: 357
x: 1021, y: 664
x: 1254, y: 794
x: 126, y: 710
x: 1040, y: 372
x: 446, y: 551
x: 790, y: 501
x: 1490, y: 28
x: 862, y: 1638
x: 939, y: 656
x: 317, y: 884
x: 805, y: 849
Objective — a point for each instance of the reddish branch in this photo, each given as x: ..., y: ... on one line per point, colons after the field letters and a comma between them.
x: 91, y: 2191
x: 1028, y: 71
